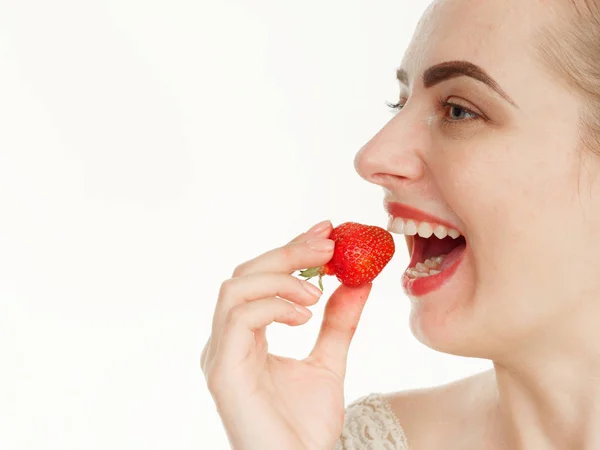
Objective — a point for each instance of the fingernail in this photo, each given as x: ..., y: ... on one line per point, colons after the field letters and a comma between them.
x: 312, y: 289
x: 321, y: 245
x: 303, y: 311
x: 319, y: 227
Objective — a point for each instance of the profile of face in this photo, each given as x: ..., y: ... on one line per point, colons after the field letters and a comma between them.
x: 495, y: 151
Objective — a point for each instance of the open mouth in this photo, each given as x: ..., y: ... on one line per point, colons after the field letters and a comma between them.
x: 433, y: 254
x: 433, y: 262
x: 436, y: 247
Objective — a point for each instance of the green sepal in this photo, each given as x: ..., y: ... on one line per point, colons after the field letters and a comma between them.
x: 313, y: 272
x: 309, y: 273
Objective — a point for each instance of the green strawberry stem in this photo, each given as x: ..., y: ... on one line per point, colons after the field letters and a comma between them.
x: 313, y: 272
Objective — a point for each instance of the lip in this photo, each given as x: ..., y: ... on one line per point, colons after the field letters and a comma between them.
x: 396, y: 209
x: 419, y: 287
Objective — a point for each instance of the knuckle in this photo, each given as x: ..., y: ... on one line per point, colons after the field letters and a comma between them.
x: 240, y: 270
x: 227, y: 288
x: 214, y: 381
x: 289, y: 251
x: 340, y: 330
x: 214, y: 374
x: 204, y: 356
x: 235, y: 315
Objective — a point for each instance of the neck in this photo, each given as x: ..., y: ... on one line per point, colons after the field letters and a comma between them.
x: 548, y: 397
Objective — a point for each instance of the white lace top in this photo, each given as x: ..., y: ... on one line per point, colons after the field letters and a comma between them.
x: 370, y: 424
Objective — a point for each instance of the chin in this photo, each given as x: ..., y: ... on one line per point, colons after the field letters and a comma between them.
x: 445, y: 318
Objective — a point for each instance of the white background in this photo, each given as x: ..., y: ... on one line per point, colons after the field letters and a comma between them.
x: 146, y: 149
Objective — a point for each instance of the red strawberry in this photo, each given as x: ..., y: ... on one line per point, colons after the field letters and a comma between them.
x: 361, y: 252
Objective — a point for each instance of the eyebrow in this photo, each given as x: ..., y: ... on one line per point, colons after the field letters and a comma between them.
x: 452, y: 69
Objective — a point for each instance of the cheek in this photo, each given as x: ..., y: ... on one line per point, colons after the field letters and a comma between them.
x: 500, y: 184
x: 514, y: 199
x: 477, y: 181
x: 501, y: 192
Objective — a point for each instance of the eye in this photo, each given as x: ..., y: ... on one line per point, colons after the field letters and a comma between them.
x: 457, y: 113
x: 453, y: 113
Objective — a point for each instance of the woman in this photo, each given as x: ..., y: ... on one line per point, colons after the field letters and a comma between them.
x: 497, y: 136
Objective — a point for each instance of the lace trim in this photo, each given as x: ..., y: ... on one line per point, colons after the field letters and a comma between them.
x: 371, y: 424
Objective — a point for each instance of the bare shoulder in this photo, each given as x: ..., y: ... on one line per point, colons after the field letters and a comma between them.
x: 431, y: 417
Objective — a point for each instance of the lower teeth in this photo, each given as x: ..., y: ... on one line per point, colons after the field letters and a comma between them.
x: 427, y: 268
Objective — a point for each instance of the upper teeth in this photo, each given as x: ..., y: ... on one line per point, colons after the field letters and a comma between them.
x: 410, y: 227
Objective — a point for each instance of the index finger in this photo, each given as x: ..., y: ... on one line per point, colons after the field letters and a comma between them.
x: 316, y: 230
x: 295, y: 255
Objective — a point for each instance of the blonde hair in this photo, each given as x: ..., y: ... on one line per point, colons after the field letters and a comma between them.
x: 570, y: 47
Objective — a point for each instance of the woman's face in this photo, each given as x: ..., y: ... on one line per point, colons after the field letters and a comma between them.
x: 505, y: 168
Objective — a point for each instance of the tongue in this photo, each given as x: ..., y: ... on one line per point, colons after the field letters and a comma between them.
x: 454, y: 254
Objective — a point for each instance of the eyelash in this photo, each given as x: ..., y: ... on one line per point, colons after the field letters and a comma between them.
x: 443, y: 105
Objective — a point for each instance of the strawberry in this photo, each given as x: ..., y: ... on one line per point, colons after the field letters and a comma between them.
x: 360, y: 254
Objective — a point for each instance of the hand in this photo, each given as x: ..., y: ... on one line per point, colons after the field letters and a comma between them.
x: 267, y: 401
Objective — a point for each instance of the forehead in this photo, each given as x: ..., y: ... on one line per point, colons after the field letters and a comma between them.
x: 494, y: 34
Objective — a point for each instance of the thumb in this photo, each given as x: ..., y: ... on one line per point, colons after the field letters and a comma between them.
x: 340, y: 320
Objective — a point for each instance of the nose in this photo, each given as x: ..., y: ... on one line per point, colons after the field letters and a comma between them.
x: 394, y: 154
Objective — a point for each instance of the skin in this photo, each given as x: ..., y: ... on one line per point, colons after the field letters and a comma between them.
x: 516, y: 181
x: 267, y: 401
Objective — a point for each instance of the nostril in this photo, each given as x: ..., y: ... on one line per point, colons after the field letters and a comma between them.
x: 378, y: 178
